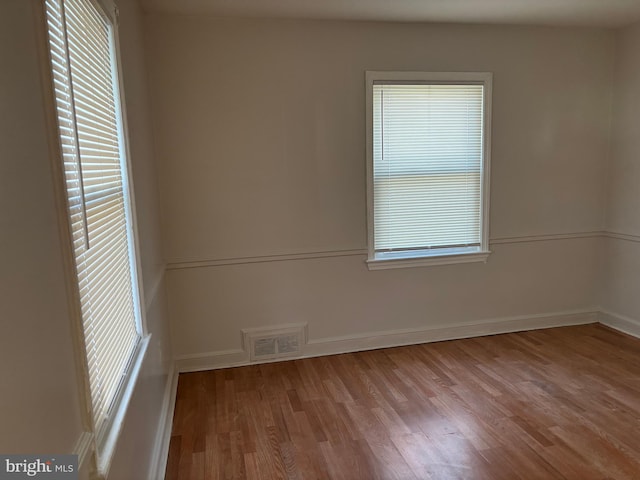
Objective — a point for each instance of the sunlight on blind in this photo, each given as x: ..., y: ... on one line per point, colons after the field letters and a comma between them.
x: 427, y: 165
x: 87, y: 108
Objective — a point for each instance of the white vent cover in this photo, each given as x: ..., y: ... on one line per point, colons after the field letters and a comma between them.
x: 275, y: 342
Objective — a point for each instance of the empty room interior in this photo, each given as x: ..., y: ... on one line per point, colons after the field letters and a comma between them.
x: 320, y: 239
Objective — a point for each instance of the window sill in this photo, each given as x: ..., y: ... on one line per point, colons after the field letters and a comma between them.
x: 385, y: 261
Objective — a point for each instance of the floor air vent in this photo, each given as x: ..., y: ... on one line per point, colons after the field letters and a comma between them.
x: 274, y: 342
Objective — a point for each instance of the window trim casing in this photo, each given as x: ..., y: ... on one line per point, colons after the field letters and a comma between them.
x: 425, y: 258
x: 99, y: 455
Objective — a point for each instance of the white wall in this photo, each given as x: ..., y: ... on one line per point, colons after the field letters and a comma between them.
x: 622, y: 273
x: 260, y: 134
x: 39, y: 405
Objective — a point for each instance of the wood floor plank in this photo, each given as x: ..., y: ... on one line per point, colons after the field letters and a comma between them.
x: 173, y: 460
x: 560, y: 403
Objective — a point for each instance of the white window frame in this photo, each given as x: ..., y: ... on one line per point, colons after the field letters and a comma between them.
x: 417, y: 258
x: 103, y: 446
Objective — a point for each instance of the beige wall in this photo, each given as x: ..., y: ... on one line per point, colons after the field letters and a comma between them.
x: 340, y: 297
x: 39, y: 405
x: 622, y: 274
x: 260, y: 134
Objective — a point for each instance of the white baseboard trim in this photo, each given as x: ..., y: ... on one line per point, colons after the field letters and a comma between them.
x: 621, y: 323
x: 160, y: 452
x: 396, y: 338
x: 393, y: 338
x: 84, y: 448
x: 212, y: 360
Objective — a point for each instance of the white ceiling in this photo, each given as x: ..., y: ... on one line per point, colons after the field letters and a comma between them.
x: 601, y: 13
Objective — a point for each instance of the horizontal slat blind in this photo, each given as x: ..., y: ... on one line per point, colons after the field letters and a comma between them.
x: 427, y: 165
x: 86, y: 101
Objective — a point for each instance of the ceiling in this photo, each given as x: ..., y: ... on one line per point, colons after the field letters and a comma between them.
x: 599, y: 13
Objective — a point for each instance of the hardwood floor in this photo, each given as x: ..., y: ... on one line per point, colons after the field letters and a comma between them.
x: 560, y: 403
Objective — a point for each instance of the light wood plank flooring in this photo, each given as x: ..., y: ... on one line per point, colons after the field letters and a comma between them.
x: 560, y: 403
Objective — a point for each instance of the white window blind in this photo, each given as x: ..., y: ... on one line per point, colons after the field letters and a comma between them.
x: 428, y: 158
x: 88, y: 112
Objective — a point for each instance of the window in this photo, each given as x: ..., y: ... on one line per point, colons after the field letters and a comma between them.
x: 428, y: 143
x: 88, y: 108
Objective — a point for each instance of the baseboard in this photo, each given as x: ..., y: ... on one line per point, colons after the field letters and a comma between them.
x: 396, y: 338
x: 212, y: 360
x: 621, y: 323
x: 393, y: 338
x: 163, y: 436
